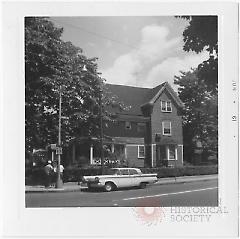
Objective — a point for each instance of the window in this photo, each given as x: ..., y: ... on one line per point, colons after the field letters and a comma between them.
x: 112, y: 172
x: 127, y: 125
x: 140, y: 127
x: 141, y: 151
x: 166, y: 125
x: 171, y: 152
x: 124, y: 172
x: 133, y: 172
x: 166, y: 106
x: 163, y: 106
x: 169, y: 106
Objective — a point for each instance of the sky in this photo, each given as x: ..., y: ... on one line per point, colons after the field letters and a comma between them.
x: 135, y: 51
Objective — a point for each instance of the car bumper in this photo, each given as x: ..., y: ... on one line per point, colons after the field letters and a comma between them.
x: 95, y: 185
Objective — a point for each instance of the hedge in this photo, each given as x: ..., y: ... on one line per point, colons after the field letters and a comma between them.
x: 76, y: 174
x: 182, y: 171
x: 36, y: 176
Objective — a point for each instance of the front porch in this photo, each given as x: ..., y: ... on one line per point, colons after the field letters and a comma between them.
x: 169, y: 155
x: 121, y: 151
x: 86, y: 151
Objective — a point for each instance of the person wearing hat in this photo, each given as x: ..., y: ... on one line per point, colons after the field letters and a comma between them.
x: 48, y: 169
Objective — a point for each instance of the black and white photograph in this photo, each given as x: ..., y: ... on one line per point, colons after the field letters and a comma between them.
x: 120, y: 114
x: 114, y: 104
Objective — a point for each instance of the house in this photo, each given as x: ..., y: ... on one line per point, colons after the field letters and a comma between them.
x: 150, y: 132
x: 147, y: 134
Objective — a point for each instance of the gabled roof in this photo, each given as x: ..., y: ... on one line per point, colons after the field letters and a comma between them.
x: 136, y: 97
x: 130, y: 96
x: 153, y: 92
x: 157, y: 91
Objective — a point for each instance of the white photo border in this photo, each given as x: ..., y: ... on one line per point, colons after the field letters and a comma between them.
x: 91, y: 222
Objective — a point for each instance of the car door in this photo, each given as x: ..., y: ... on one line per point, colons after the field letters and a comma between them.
x: 124, y: 179
x: 135, y: 177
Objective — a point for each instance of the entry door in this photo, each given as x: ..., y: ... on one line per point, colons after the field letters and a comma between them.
x: 163, y: 152
x: 158, y: 156
x: 161, y: 155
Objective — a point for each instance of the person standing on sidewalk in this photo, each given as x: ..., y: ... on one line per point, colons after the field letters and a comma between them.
x: 61, y: 172
x: 55, y: 168
x: 48, y: 169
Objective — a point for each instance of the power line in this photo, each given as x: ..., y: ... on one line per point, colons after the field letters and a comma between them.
x: 96, y: 34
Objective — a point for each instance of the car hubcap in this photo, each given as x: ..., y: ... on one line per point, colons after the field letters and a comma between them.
x: 108, y: 187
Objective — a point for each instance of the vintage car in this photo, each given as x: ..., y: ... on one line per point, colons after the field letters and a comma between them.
x: 115, y: 178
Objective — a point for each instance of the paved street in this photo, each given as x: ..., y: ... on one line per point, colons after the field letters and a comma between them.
x: 200, y: 193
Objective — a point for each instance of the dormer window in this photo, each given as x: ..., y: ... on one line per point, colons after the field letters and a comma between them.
x: 166, y: 106
x: 128, y: 125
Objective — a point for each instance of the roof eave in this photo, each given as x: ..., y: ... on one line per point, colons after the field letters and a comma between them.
x: 172, y: 93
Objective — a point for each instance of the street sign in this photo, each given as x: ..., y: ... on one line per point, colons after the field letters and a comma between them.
x: 58, y: 150
x: 53, y: 146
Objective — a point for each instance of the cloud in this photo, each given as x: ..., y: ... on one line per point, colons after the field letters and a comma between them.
x: 91, y: 44
x: 123, y: 70
x: 167, y: 69
x: 155, y: 44
x: 157, y: 58
x: 108, y: 43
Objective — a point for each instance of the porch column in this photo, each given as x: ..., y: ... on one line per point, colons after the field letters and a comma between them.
x: 180, y: 145
x: 91, y: 154
x: 73, y: 153
x: 176, y: 152
x: 167, y: 152
x: 53, y: 155
x: 112, y: 148
x: 125, y: 151
x: 152, y: 155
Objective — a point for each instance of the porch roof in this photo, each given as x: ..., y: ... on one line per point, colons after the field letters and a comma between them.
x: 127, y: 140
x: 132, y: 118
x: 167, y: 141
x: 91, y: 139
x: 110, y: 140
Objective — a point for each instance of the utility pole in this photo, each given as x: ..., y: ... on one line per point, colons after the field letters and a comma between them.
x: 59, y: 180
x: 101, y: 129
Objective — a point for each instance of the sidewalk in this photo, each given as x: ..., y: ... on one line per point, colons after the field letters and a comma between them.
x: 186, y: 179
x: 74, y: 187
x: 67, y: 187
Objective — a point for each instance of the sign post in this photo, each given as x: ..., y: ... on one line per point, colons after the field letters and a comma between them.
x: 59, y: 149
x: 53, y: 147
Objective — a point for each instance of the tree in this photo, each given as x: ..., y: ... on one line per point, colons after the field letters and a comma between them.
x: 200, y: 114
x: 198, y: 88
x: 52, y: 65
x: 202, y: 34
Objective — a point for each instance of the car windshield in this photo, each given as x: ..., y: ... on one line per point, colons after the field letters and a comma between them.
x: 111, y: 171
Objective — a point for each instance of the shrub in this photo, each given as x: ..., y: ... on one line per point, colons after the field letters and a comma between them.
x: 74, y: 174
x: 182, y: 171
x: 34, y: 176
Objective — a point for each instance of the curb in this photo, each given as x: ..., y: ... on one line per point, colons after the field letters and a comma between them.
x: 61, y: 190
x: 85, y: 187
x: 184, y: 181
